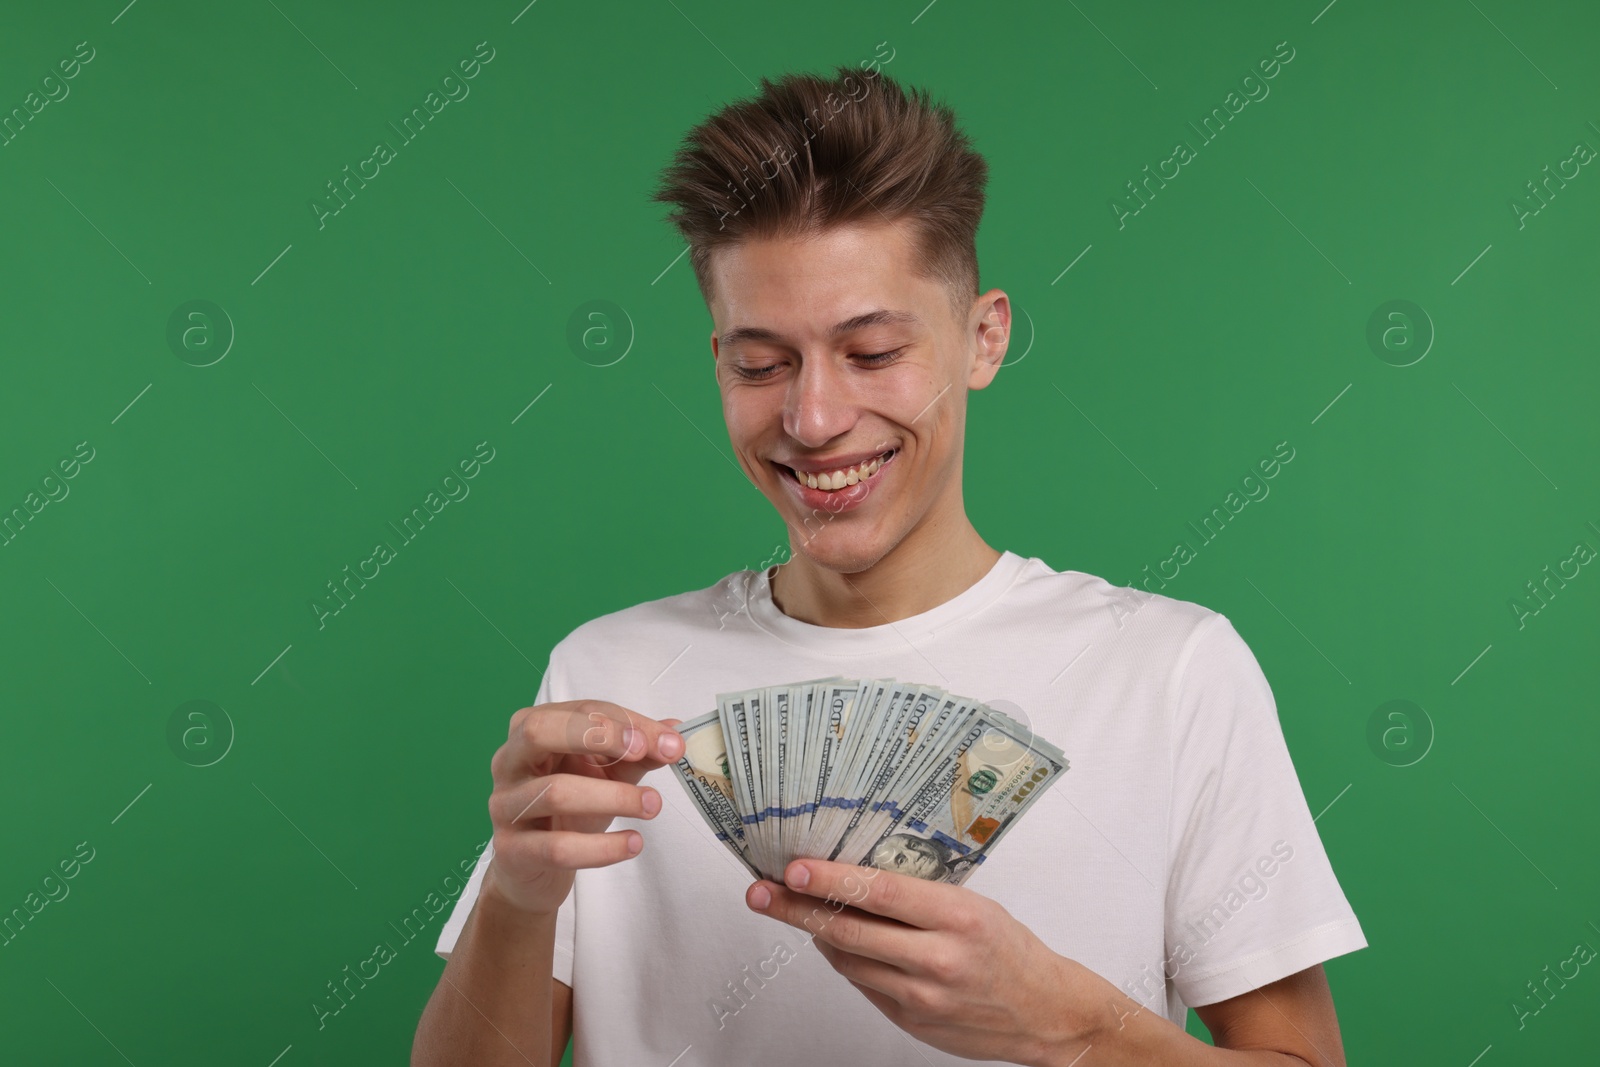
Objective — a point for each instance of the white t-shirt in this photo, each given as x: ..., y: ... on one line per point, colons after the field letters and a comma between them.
x: 1176, y: 857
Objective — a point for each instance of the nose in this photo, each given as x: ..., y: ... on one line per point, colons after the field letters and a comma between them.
x: 820, y: 404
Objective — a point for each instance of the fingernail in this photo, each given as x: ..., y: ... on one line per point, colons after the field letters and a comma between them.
x: 635, y: 843
x: 651, y: 802
x: 798, y: 876
x: 630, y: 740
x: 670, y: 745
x: 760, y: 898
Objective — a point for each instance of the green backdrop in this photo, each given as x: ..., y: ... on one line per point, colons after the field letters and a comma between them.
x: 223, y: 386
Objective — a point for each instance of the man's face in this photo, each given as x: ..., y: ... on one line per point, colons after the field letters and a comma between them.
x: 882, y: 399
x: 904, y: 854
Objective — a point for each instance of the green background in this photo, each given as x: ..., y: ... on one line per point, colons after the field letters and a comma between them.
x: 348, y: 762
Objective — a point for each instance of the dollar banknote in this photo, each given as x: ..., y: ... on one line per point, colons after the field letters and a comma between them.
x: 879, y: 773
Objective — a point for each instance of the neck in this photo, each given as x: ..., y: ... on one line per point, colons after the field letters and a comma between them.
x: 932, y: 564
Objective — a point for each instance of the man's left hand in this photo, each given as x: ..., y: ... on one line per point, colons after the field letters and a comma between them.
x: 948, y: 966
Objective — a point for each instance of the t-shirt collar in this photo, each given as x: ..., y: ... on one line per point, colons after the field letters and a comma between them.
x: 843, y: 640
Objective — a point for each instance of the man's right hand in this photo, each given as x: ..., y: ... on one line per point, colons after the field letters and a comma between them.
x: 566, y: 770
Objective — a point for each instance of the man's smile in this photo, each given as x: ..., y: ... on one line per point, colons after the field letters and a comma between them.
x: 839, y: 471
x: 829, y: 485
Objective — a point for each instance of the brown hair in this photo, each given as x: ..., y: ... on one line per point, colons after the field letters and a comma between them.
x: 810, y: 152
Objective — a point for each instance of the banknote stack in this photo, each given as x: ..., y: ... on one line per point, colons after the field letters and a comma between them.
x: 878, y: 773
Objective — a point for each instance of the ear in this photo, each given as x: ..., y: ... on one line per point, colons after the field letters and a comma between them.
x: 992, y: 337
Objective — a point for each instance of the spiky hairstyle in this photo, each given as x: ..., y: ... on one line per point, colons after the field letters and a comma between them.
x: 809, y: 152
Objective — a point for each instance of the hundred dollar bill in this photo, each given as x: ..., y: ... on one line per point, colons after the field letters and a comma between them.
x: 898, y: 776
x: 929, y: 738
x: 831, y: 728
x: 734, y: 709
x: 703, y: 770
x: 892, y: 743
x: 874, y: 702
x: 966, y: 804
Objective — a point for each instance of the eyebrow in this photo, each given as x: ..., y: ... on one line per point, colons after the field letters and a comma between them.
x: 879, y: 317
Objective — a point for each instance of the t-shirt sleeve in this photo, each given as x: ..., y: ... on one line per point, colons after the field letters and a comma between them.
x: 561, y: 967
x: 1251, y: 896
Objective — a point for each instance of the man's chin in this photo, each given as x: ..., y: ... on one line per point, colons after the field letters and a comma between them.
x: 843, y: 551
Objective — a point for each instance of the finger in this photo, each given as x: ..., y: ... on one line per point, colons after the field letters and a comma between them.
x: 606, y: 733
x: 886, y: 1005
x: 866, y: 973
x: 836, y: 924
x: 915, y: 901
x: 572, y: 794
x: 572, y: 850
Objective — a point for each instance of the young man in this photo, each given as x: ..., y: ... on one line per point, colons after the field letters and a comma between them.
x: 831, y: 224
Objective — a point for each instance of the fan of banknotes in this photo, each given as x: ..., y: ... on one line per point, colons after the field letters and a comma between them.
x: 901, y: 777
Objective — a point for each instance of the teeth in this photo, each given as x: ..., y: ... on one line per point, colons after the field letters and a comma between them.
x: 841, y: 478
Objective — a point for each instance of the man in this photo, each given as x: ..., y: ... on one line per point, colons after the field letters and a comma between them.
x: 831, y: 224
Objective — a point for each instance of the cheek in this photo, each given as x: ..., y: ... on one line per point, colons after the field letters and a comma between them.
x: 925, y: 406
x: 749, y: 416
x: 913, y: 391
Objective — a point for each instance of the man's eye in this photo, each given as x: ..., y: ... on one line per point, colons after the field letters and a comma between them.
x: 871, y: 359
x: 878, y: 358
